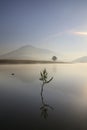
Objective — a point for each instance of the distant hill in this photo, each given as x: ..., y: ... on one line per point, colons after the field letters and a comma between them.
x: 81, y: 59
x: 29, y: 52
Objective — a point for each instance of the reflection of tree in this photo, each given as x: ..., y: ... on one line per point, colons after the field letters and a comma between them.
x: 44, y: 108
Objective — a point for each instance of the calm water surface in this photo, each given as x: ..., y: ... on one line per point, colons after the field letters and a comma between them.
x: 63, y: 105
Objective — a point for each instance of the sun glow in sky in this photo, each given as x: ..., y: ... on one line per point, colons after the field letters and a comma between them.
x: 81, y: 33
x: 58, y: 25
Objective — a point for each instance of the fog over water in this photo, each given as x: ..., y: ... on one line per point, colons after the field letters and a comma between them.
x: 21, y: 99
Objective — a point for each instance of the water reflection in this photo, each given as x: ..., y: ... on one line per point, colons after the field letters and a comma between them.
x: 45, y: 106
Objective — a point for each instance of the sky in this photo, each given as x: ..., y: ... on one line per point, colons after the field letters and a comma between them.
x: 57, y: 25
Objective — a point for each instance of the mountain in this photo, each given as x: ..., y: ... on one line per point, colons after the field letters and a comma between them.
x: 29, y: 52
x: 81, y: 59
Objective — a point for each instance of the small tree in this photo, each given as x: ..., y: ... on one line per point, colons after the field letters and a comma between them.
x: 54, y: 58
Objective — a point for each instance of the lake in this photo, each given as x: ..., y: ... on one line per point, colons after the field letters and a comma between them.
x: 61, y: 106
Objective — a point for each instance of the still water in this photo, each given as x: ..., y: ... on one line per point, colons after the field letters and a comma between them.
x: 61, y: 106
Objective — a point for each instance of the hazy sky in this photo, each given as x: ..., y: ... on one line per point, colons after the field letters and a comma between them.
x: 58, y: 25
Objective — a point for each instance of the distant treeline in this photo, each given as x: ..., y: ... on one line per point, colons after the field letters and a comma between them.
x: 14, y: 61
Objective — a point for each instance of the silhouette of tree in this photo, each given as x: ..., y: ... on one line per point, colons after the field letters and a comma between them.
x: 54, y: 58
x: 45, y: 107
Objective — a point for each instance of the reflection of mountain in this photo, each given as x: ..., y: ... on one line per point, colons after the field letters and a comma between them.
x: 29, y: 53
x: 81, y: 59
x: 26, y: 76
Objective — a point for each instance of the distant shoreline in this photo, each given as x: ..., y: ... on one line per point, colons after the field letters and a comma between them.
x: 14, y: 61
